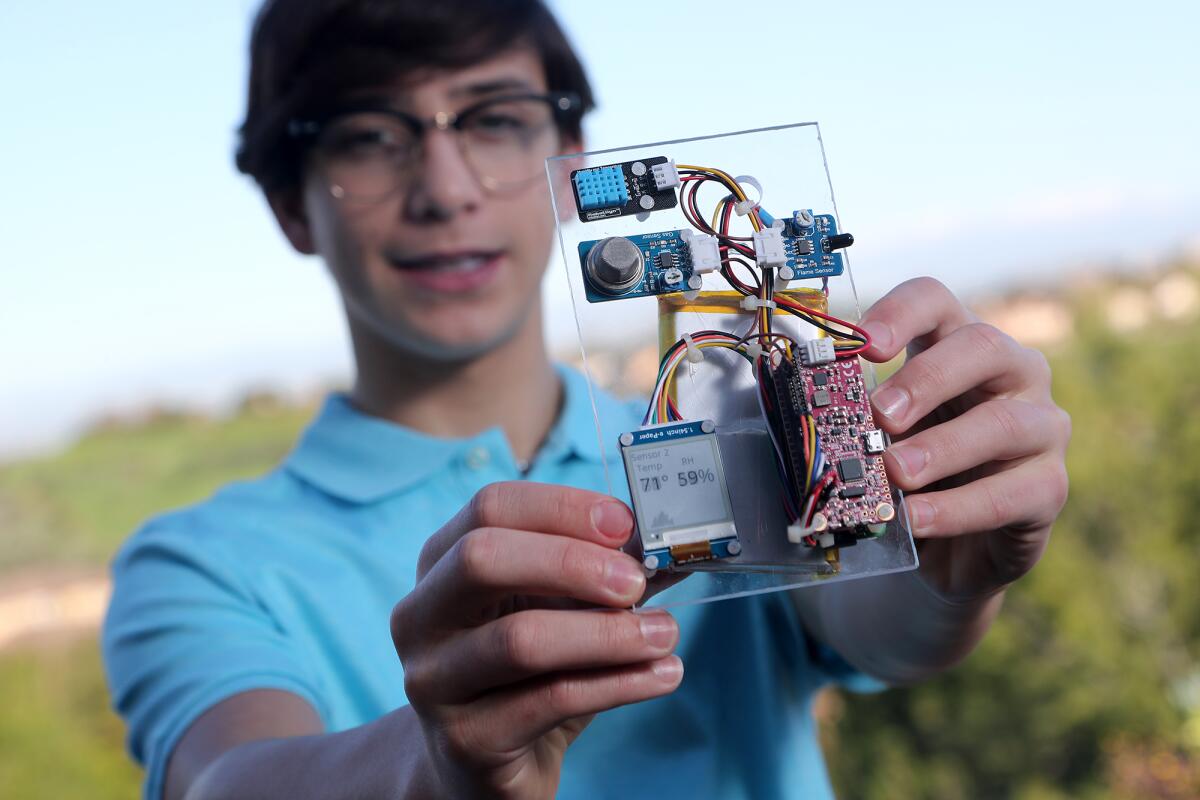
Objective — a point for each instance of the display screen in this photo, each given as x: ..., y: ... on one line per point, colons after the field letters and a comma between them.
x: 677, y: 485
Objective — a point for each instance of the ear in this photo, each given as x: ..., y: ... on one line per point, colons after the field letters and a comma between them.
x: 288, y: 207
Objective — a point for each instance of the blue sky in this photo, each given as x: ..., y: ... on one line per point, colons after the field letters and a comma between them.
x: 992, y: 145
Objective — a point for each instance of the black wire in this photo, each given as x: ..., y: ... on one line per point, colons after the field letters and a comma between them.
x: 680, y: 343
x: 691, y: 210
x: 756, y: 281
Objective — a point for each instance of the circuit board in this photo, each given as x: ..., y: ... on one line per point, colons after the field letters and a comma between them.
x: 666, y: 267
x: 809, y: 250
x: 665, y: 263
x: 858, y: 498
x: 631, y: 187
x: 680, y: 499
x: 861, y: 499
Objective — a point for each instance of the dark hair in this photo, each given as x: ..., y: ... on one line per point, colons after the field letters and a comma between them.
x: 306, y: 55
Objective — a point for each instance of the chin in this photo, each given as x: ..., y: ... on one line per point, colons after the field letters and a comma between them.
x: 452, y: 344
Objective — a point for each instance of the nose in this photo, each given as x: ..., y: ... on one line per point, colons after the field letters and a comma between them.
x: 444, y: 185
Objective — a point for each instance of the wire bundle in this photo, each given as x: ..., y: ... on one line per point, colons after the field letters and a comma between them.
x: 807, y: 476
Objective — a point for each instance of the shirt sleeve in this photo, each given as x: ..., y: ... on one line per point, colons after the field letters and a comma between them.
x: 183, y: 632
x: 839, y: 671
x: 825, y: 663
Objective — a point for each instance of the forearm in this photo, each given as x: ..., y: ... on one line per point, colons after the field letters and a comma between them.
x: 895, y: 627
x: 384, y: 759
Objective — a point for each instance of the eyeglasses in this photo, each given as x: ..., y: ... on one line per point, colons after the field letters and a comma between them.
x: 368, y: 153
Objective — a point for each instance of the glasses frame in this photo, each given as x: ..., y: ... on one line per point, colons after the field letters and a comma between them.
x: 561, y: 104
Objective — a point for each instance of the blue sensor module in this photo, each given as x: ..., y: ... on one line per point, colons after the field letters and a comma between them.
x: 810, y: 251
x: 655, y: 263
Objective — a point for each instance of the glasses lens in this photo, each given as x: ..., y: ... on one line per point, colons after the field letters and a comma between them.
x: 507, y: 141
x: 364, y: 155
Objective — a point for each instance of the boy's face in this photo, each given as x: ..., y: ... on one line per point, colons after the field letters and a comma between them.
x: 442, y: 266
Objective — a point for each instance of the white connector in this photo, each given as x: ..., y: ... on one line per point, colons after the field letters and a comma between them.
x: 752, y: 303
x: 818, y: 351
x: 705, y: 252
x: 768, y: 248
x: 665, y: 175
x: 819, y: 528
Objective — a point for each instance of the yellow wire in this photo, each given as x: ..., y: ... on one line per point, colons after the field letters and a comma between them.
x: 670, y: 376
x: 717, y: 213
x: 727, y: 178
x: 812, y: 452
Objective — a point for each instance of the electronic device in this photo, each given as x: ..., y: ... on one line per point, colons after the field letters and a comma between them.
x: 810, y: 390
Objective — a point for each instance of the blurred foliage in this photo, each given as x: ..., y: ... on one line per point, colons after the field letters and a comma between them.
x: 79, y: 505
x: 1088, y: 686
x: 57, y: 737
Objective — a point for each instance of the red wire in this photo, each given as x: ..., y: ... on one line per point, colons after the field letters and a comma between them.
x: 826, y: 478
x: 806, y: 310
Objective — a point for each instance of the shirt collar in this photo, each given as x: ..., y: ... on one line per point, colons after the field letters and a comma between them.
x: 360, y: 458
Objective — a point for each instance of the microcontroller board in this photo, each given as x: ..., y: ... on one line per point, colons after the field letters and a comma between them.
x: 858, y: 497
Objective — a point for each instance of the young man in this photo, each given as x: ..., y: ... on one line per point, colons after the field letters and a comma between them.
x: 453, y: 495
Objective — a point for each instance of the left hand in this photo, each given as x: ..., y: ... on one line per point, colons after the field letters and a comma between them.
x: 978, y: 443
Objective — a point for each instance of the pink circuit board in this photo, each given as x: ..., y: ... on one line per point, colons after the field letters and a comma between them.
x: 852, y: 443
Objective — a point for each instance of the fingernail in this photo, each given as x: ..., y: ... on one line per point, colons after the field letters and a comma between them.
x: 669, y: 669
x: 920, y: 513
x: 658, y: 629
x: 890, y: 401
x: 624, y: 578
x: 912, y: 459
x: 880, y: 333
x: 612, y: 519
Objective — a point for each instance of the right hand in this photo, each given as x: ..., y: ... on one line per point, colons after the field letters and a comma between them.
x: 519, y: 631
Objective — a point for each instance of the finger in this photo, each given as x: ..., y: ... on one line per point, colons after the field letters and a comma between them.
x: 493, y: 564
x: 975, y: 356
x: 521, y: 505
x: 532, y: 643
x: 922, y: 309
x: 507, y: 720
x: 1028, y: 496
x: 998, y: 430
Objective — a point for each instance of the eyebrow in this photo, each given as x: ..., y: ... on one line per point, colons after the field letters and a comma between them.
x: 492, y: 87
x: 383, y: 97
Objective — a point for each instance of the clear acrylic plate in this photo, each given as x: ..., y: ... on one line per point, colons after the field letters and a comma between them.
x: 640, y: 287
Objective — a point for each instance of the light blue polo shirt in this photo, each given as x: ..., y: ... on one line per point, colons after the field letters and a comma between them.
x: 288, y: 582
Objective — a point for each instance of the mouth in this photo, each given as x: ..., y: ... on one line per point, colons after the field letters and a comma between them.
x: 450, y: 271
